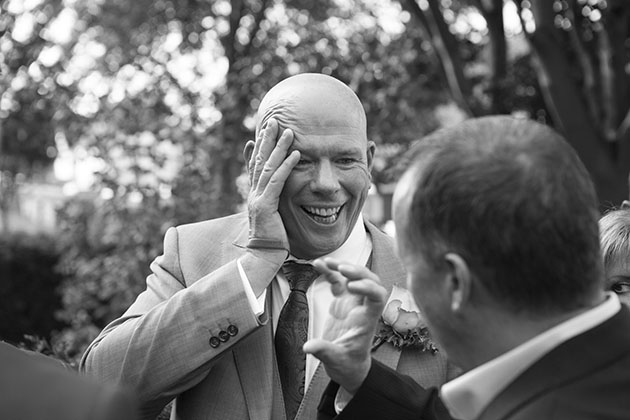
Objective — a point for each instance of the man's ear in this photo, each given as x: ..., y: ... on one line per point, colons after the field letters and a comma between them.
x: 371, y: 149
x: 458, y: 281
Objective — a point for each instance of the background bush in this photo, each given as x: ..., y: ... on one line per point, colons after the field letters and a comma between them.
x: 29, y: 287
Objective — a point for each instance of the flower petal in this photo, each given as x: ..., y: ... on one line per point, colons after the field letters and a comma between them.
x: 390, y: 314
x: 405, y: 297
x: 406, y: 321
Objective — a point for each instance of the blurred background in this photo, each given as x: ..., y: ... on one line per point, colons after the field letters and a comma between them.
x: 119, y: 119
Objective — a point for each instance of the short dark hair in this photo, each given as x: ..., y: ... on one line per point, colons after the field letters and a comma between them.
x: 514, y: 200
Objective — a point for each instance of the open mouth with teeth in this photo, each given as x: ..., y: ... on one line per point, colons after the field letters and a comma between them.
x: 324, y: 215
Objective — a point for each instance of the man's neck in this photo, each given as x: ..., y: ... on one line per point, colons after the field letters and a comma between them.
x: 503, y: 332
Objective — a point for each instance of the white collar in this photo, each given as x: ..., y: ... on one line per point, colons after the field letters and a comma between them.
x: 352, y: 249
x: 467, y: 396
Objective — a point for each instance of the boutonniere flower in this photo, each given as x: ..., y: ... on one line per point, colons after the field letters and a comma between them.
x: 402, y: 325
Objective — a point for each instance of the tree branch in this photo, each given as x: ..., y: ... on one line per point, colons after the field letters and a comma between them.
x: 492, y: 11
x: 592, y: 101
x: 258, y: 18
x: 229, y: 40
x: 446, y: 49
x: 616, y: 25
x: 608, y: 87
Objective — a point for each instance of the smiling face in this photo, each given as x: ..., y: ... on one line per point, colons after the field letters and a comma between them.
x: 324, y: 194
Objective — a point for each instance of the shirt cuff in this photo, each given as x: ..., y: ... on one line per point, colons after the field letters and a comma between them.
x: 256, y: 303
x: 342, y: 399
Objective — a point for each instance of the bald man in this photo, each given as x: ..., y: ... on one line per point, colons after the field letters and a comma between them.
x: 221, y: 324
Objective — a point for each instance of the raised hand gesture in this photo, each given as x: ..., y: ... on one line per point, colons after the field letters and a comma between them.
x: 359, y: 301
x: 269, y: 167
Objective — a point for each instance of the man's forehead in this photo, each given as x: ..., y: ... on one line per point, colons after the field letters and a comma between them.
x: 314, y: 102
x: 316, y: 115
x: 335, y: 142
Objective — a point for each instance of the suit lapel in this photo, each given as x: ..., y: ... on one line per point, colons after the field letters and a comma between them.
x: 564, y: 364
x: 319, y: 381
x: 387, y: 266
x: 385, y: 263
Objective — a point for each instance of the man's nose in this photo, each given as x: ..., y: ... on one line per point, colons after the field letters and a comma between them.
x: 325, y: 178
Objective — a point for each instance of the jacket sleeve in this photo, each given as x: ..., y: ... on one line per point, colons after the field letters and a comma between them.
x: 385, y: 394
x: 166, y: 342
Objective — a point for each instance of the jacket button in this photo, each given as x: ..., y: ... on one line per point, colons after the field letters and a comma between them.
x: 232, y: 330
x: 224, y: 336
x: 214, y: 342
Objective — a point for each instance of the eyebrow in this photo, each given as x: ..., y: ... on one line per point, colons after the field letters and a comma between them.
x: 338, y: 150
x: 609, y: 281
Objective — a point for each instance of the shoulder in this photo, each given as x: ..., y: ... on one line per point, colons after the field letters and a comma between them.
x: 385, y: 261
x: 378, y: 234
x: 39, y: 387
x: 209, y: 232
x: 227, y: 223
x: 593, y: 384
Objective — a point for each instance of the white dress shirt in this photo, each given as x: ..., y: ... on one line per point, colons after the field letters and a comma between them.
x: 467, y: 396
x: 356, y: 250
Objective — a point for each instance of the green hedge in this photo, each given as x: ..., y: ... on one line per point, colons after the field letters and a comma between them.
x: 29, y: 287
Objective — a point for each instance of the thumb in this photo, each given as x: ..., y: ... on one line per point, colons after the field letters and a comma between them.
x: 322, y: 349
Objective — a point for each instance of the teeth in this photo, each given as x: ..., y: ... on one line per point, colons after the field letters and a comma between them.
x: 324, y: 212
x: 323, y: 215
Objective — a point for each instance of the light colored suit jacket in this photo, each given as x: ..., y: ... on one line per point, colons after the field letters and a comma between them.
x: 161, y: 346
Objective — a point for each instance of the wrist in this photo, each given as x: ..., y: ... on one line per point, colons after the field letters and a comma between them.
x: 355, y: 381
x: 261, y: 266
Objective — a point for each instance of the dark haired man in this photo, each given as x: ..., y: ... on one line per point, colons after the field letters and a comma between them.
x: 497, y: 225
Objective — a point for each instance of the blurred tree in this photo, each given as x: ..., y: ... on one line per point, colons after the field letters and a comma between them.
x: 579, y: 51
x: 161, y: 95
x: 27, y: 103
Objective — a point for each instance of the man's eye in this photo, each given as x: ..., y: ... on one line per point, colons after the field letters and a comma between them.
x: 620, y: 287
x: 345, y: 161
x: 303, y: 162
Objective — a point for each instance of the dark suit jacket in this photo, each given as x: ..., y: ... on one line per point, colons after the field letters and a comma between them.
x: 36, y: 387
x: 587, y: 377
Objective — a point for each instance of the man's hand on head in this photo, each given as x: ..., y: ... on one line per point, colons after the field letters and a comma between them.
x: 269, y: 167
x: 359, y: 301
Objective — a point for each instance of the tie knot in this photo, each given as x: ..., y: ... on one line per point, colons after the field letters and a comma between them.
x: 299, y: 276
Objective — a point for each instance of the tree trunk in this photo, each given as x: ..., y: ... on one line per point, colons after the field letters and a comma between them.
x: 562, y: 96
x: 492, y: 11
x: 446, y: 49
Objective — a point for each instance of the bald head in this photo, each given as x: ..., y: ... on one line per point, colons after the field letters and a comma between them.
x: 313, y: 103
x: 323, y: 195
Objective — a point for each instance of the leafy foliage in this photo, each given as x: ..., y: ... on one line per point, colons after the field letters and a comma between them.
x: 562, y: 62
x: 29, y: 286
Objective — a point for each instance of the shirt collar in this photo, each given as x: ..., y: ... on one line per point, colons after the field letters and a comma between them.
x: 467, y: 396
